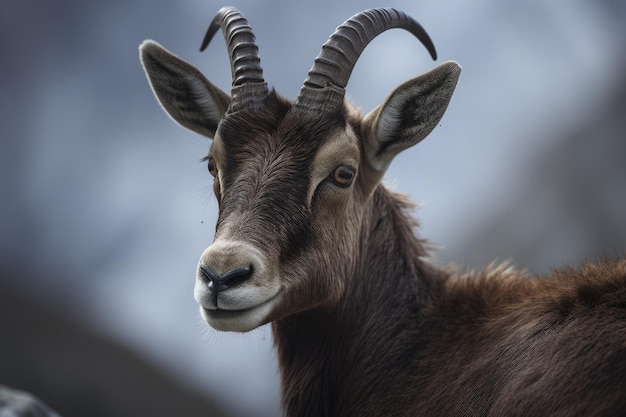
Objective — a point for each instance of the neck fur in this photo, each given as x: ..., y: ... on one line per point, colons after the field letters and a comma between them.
x: 334, y: 360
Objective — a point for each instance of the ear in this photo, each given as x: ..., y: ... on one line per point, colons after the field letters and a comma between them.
x: 408, y: 115
x: 184, y: 93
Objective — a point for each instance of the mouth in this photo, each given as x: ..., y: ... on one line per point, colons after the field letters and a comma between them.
x: 239, y: 320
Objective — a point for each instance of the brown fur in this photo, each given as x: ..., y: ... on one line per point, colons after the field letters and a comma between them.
x: 408, y: 339
x: 375, y: 330
x: 363, y: 324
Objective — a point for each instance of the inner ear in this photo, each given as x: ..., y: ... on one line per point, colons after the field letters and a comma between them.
x: 408, y: 115
x: 183, y: 92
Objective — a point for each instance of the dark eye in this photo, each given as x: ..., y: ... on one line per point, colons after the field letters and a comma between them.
x: 342, y: 176
x: 211, y: 166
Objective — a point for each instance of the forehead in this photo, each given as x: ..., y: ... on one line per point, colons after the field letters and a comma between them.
x: 276, y: 128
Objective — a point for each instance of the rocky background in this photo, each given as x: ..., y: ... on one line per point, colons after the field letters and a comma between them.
x: 105, y: 208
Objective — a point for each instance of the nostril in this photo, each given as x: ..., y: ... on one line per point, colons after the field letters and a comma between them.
x: 216, y: 283
x: 236, y: 276
x: 209, y: 274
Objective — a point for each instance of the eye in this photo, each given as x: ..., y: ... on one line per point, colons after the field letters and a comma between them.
x: 342, y: 176
x: 211, y: 166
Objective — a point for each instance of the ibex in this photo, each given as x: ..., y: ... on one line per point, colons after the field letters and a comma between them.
x: 308, y: 238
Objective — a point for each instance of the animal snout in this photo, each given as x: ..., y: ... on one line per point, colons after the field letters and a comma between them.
x: 235, y: 276
x: 226, y: 270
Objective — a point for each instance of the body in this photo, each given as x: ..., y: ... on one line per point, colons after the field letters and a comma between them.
x: 308, y: 239
x: 441, y: 342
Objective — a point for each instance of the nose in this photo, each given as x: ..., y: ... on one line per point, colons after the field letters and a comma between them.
x: 228, y: 279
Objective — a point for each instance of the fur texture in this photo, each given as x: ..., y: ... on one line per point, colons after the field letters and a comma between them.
x: 409, y: 339
x: 363, y: 324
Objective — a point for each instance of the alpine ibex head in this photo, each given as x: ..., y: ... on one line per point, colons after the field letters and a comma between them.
x: 294, y: 179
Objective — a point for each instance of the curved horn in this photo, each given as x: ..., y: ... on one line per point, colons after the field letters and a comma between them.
x: 249, y: 88
x: 324, y: 87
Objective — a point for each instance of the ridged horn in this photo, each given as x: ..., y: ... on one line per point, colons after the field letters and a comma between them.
x: 249, y: 88
x: 324, y: 87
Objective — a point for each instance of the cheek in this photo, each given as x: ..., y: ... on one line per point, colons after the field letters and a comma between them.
x: 338, y: 224
x: 335, y: 242
x: 217, y: 190
x: 313, y: 280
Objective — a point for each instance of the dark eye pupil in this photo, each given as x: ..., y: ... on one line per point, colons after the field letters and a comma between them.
x: 211, y: 167
x: 343, y: 176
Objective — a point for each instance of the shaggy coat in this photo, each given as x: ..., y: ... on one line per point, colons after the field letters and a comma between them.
x: 409, y: 339
x: 308, y: 239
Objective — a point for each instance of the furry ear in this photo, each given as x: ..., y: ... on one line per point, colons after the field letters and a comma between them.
x: 408, y: 115
x: 184, y: 93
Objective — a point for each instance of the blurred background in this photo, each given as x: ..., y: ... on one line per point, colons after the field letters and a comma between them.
x: 105, y: 208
